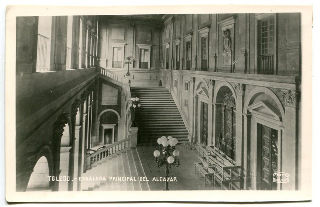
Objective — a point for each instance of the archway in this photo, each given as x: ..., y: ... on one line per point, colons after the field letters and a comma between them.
x: 225, y: 121
x: 264, y: 122
x: 39, y: 179
x: 201, y: 113
x: 108, y: 126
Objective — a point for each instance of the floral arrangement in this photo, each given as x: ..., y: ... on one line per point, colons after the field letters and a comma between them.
x: 135, y: 102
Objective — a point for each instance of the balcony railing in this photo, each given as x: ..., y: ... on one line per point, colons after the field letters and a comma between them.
x: 265, y: 64
x: 106, y: 151
x: 117, y: 64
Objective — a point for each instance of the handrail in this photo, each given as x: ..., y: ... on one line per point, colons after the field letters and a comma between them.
x: 103, y: 153
x: 112, y: 75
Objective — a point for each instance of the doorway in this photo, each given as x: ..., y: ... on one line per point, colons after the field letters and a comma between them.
x: 203, y: 123
x: 267, y: 162
x: 108, y: 136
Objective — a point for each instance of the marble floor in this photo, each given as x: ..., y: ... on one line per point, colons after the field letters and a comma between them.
x: 186, y: 179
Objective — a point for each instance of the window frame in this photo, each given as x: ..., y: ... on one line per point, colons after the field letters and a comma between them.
x: 187, y: 39
x: 50, y: 47
x: 259, y: 17
x: 204, y: 33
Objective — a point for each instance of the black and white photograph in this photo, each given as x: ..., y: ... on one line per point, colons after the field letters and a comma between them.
x: 181, y: 102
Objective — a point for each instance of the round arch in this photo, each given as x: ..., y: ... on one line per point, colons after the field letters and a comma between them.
x: 103, y: 112
x: 259, y: 90
x: 107, y: 110
x: 218, y: 86
x: 42, y: 168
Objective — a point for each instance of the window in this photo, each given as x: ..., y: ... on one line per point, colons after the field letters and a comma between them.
x: 167, y: 57
x: 266, y: 46
x: 80, y: 44
x: 144, y: 58
x: 186, y: 86
x: 44, y: 44
x: 91, y: 50
x: 96, y: 45
x: 87, y: 48
x: 177, y: 57
x: 204, y: 49
x: 204, y: 53
x: 69, y: 43
x: 188, y: 55
x: 117, y: 57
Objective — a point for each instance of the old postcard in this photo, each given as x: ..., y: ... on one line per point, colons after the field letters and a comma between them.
x: 161, y: 103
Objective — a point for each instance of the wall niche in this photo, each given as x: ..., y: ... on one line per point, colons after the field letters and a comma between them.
x: 226, y: 40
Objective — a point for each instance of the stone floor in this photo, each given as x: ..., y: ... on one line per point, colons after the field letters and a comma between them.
x: 185, y: 173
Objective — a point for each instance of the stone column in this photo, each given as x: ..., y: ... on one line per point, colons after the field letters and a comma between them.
x: 83, y: 144
x: 210, y: 117
x: 26, y: 48
x: 84, y: 44
x: 59, y: 43
x: 239, y: 88
x: 75, y: 42
x: 246, y: 151
x: 76, y: 156
x: 65, y: 152
x: 214, y: 124
x: 289, y: 148
x: 89, y: 122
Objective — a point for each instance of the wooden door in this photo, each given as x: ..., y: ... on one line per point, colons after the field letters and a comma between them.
x: 204, y: 123
x: 267, y: 157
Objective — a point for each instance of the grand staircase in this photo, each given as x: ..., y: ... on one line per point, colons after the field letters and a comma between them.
x: 158, y: 116
x: 119, y: 172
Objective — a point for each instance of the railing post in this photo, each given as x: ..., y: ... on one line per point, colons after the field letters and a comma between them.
x: 133, y: 135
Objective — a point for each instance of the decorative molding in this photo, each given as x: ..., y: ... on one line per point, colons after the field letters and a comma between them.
x: 239, y: 89
x: 287, y: 97
x: 144, y: 46
x: 262, y: 16
x: 203, y: 32
x: 228, y: 21
x: 118, y: 44
x: 208, y: 81
x: 74, y: 110
x: 59, y: 125
x: 228, y: 100
x: 262, y: 109
x: 84, y: 95
x: 188, y: 37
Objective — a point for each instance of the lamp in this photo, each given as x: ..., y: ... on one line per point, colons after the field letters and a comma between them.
x: 166, y: 154
x: 134, y: 104
x: 129, y: 60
